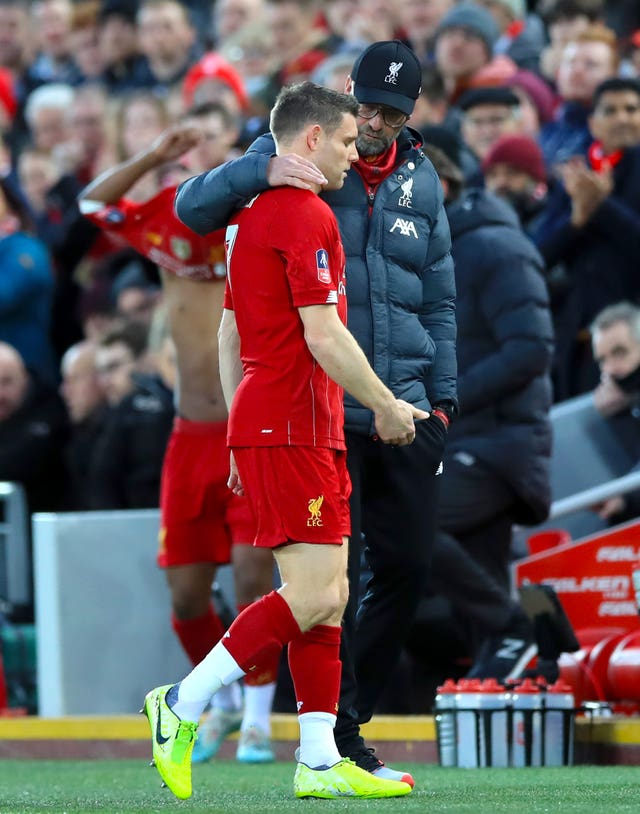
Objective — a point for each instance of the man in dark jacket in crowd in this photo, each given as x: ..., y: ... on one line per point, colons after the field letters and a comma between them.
x: 33, y: 427
x: 87, y: 408
x: 496, y: 466
x: 128, y: 455
x: 400, y: 290
x: 615, y: 338
x: 592, y: 227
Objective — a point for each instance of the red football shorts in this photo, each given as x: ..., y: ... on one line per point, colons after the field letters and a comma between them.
x: 298, y: 494
x: 200, y: 516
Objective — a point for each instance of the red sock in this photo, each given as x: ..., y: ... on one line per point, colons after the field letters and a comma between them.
x: 259, y: 633
x: 267, y: 670
x: 314, y: 661
x: 197, y: 636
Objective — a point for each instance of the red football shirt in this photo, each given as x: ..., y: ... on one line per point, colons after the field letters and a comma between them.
x: 153, y: 229
x: 283, y: 252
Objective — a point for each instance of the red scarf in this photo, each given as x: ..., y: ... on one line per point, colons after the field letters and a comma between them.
x: 599, y: 161
x: 375, y: 169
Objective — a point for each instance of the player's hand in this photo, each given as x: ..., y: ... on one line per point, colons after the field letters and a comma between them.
x: 175, y: 141
x: 294, y: 171
x: 396, y: 425
x: 234, y: 482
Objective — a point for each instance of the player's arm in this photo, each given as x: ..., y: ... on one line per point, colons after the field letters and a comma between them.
x: 114, y: 183
x: 229, y: 355
x: 230, y: 377
x: 206, y: 202
x: 342, y: 359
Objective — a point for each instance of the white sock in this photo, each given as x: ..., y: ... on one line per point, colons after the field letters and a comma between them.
x: 228, y: 698
x: 257, y: 707
x: 317, y: 744
x: 218, y: 668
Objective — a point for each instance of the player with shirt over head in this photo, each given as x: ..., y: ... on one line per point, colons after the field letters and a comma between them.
x: 285, y: 357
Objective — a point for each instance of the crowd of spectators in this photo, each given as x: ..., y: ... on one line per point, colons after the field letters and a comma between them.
x: 538, y: 102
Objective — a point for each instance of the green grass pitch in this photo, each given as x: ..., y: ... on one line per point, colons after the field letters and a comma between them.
x: 131, y: 787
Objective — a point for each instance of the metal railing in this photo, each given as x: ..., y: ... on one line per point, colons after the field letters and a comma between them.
x: 15, y: 559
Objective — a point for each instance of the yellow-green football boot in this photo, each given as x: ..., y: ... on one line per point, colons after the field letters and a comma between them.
x: 173, y: 741
x: 344, y: 779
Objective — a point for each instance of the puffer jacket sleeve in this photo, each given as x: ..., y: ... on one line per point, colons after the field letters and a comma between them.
x: 206, y: 202
x: 438, y: 311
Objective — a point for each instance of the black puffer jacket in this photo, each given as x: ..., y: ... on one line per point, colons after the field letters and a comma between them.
x: 505, y: 344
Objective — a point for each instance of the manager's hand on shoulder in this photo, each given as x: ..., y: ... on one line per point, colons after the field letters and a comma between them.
x: 294, y: 171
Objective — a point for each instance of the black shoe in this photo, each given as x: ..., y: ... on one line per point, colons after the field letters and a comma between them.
x: 506, y: 656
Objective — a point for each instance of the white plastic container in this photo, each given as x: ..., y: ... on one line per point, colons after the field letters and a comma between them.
x: 493, y: 735
x: 526, y: 701
x: 559, y: 724
x: 445, y: 704
x: 467, y: 706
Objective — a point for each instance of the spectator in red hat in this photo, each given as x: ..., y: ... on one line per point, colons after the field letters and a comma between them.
x: 514, y: 170
x: 213, y: 79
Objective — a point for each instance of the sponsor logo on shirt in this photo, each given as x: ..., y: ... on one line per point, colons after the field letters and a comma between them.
x: 322, y: 264
x: 180, y: 247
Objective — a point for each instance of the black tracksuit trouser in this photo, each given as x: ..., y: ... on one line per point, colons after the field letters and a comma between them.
x: 393, y: 504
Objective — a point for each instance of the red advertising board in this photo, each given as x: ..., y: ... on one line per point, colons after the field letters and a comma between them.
x: 592, y: 577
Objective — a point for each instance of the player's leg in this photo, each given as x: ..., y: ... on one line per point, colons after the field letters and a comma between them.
x: 253, y: 578
x: 315, y: 586
x: 186, y: 552
x: 261, y: 630
x: 194, y: 541
x: 313, y: 594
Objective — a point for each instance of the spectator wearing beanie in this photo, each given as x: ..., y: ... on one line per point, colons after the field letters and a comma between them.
x: 487, y: 114
x: 514, y: 170
x: 537, y: 101
x: 465, y: 40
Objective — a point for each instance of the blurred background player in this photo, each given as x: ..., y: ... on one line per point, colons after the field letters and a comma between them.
x: 200, y: 516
